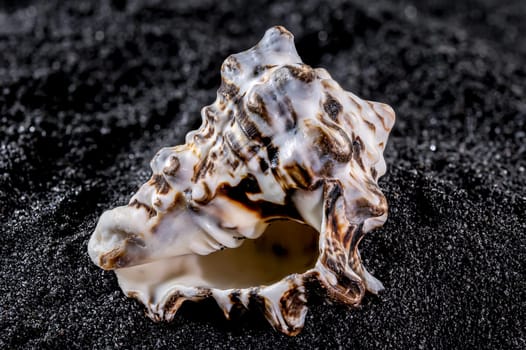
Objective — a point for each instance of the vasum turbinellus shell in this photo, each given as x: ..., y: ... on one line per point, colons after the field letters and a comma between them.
x: 274, y: 190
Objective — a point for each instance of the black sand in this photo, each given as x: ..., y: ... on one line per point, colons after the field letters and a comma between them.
x: 90, y: 91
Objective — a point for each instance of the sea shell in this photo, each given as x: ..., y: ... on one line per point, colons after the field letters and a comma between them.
x: 283, y: 154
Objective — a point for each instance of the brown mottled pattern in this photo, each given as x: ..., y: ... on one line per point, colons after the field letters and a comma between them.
x: 292, y: 122
x: 263, y: 165
x: 292, y: 304
x: 172, y: 167
x: 264, y: 209
x: 160, y: 184
x: 357, y: 147
x: 370, y: 125
x: 374, y: 173
x: 207, y: 197
x: 302, y: 72
x: 258, y: 107
x: 348, y: 290
x: 210, y: 114
x: 151, y: 211
x: 228, y: 90
x: 302, y: 177
x: 349, y: 236
x: 332, y: 107
x: 380, y: 118
x: 247, y: 124
x: 203, y: 137
x: 239, y: 152
x: 355, y: 103
x: 177, y: 203
x: 365, y: 209
x: 203, y: 168
x: 329, y: 146
x: 113, y: 259
x: 174, y: 302
x: 273, y: 155
x: 231, y: 65
x: 133, y: 295
x: 118, y: 257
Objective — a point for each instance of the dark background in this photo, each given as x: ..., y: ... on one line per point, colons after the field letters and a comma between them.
x: 89, y: 91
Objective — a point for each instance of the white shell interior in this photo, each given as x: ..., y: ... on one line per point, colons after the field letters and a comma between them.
x: 286, y: 247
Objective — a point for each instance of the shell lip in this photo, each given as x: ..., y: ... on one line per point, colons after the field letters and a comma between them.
x: 284, y: 302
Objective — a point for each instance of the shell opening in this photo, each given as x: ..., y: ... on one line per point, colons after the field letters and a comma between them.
x: 285, y: 247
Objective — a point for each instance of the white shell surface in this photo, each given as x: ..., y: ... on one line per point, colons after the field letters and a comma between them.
x: 282, y: 141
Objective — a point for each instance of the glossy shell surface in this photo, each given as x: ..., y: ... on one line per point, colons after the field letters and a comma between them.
x: 273, y: 191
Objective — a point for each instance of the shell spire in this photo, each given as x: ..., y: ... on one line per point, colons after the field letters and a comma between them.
x: 275, y: 189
